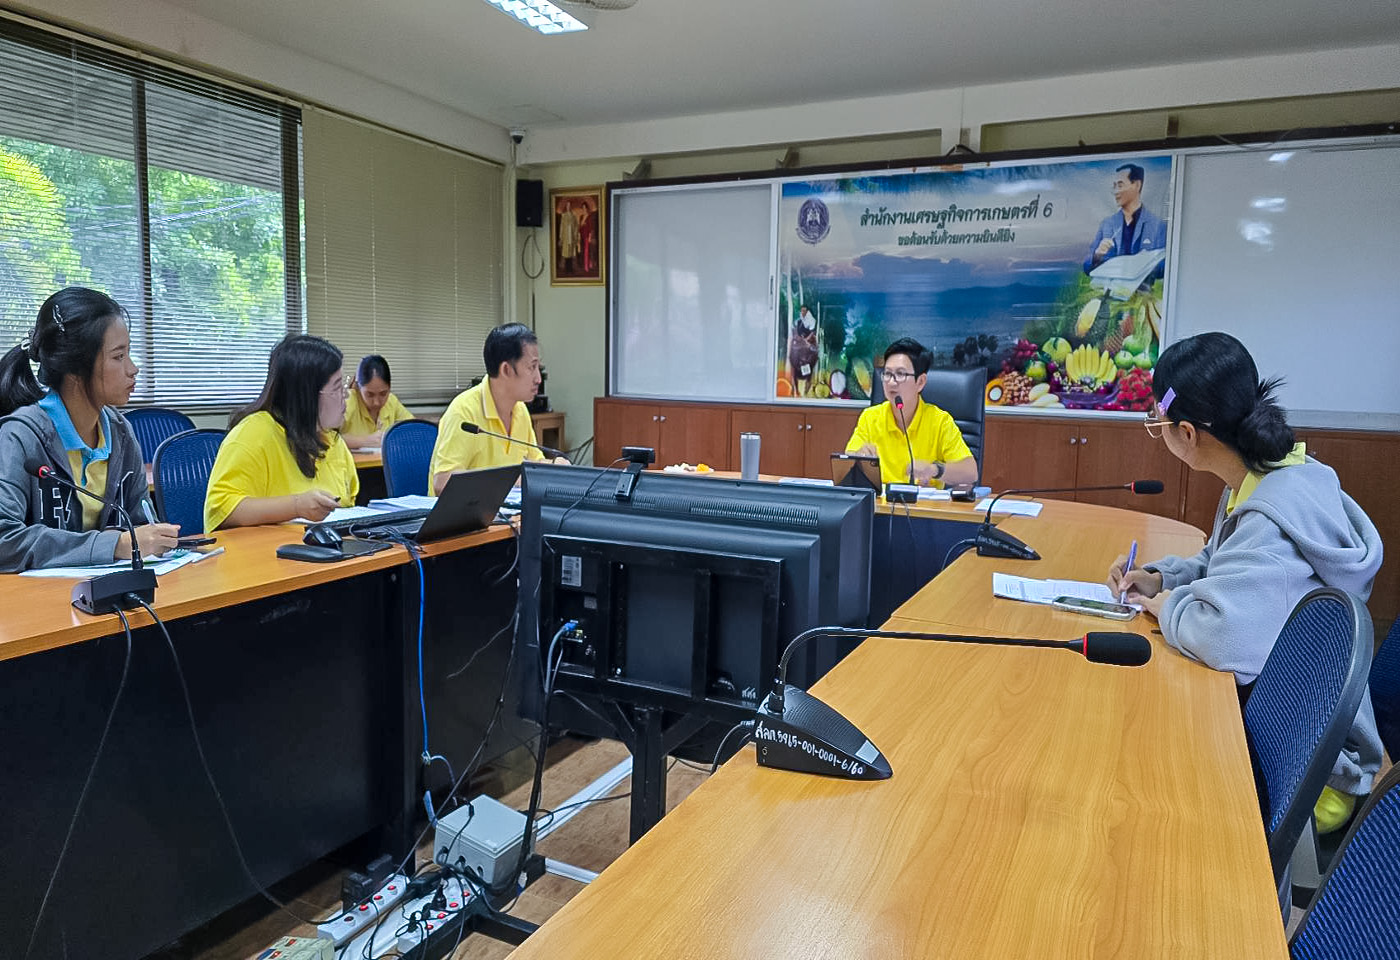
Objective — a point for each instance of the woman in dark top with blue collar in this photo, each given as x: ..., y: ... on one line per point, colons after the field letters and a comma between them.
x: 82, y: 346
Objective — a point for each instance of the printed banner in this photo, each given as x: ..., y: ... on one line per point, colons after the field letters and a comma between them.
x: 1049, y: 274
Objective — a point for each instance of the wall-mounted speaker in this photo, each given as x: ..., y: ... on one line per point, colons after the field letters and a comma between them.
x: 529, y: 203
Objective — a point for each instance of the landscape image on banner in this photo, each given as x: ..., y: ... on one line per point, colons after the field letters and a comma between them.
x: 1048, y: 274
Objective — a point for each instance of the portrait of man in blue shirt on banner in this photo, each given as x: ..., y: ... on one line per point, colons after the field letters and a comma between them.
x: 1130, y: 229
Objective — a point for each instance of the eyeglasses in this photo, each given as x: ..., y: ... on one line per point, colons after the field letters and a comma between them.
x: 896, y: 377
x: 1154, y: 422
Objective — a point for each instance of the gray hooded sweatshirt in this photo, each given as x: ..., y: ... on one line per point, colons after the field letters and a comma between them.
x: 41, y: 524
x: 1297, y: 531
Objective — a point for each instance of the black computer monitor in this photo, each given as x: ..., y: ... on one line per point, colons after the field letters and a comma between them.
x: 689, y: 589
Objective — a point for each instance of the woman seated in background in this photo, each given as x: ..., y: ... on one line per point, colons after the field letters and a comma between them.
x: 83, y: 349
x: 282, y: 458
x: 370, y: 409
x: 1284, y: 527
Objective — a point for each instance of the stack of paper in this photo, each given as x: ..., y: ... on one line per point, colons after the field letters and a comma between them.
x: 1020, y: 508
x: 1031, y: 590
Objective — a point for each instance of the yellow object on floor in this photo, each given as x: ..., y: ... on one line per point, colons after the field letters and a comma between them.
x: 1333, y: 809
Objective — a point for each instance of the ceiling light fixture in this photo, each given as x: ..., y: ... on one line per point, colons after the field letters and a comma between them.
x: 540, y: 14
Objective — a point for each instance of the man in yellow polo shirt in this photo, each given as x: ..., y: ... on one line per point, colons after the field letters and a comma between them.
x: 497, y: 404
x: 941, y: 456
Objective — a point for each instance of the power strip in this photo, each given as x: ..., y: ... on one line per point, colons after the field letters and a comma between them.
x: 366, y: 914
x: 410, y: 939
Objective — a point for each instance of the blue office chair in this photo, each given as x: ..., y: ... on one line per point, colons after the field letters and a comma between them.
x: 1300, y: 710
x: 180, y: 476
x: 408, y: 451
x: 1385, y: 691
x: 153, y: 425
x: 961, y: 392
x: 1356, y: 913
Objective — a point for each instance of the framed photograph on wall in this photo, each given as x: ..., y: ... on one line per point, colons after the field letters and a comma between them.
x: 576, y: 240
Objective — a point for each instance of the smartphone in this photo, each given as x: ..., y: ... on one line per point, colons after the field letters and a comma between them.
x: 186, y: 543
x: 1095, y: 608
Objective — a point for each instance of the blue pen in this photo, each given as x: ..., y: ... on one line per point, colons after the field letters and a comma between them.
x: 1132, y: 558
x: 151, y: 517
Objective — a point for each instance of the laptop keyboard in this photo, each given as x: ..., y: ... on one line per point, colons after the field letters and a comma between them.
x: 396, y: 520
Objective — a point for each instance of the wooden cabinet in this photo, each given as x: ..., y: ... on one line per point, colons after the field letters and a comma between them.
x: 1021, y: 451
x: 1034, y: 452
x: 689, y: 432
x: 796, y: 442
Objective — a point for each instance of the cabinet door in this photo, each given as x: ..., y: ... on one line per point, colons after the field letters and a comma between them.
x: 1123, y: 452
x: 622, y: 423
x: 784, y: 433
x: 1024, y: 452
x: 693, y: 433
x: 1365, y: 466
x: 827, y: 432
x: 1203, y: 492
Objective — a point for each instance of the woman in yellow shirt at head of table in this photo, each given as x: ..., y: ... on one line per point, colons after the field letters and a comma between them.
x: 370, y: 409
x: 282, y: 458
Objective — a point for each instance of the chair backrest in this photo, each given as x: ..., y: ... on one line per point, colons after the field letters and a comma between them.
x: 1302, y: 707
x: 408, y: 450
x: 152, y: 425
x: 961, y: 392
x: 1385, y: 691
x: 180, y: 475
x: 1356, y: 912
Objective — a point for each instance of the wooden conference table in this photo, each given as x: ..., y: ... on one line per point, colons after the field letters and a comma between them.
x: 304, y: 684
x: 1041, y: 805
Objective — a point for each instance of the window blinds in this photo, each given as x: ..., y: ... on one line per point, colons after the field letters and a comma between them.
x: 174, y: 194
x: 403, y: 253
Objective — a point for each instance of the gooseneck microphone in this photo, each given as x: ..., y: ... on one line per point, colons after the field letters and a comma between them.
x: 469, y: 427
x: 122, y: 589
x: 796, y: 731
x: 904, y: 425
x: 992, y: 542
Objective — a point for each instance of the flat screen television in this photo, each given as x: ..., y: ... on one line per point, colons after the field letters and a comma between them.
x: 687, y: 591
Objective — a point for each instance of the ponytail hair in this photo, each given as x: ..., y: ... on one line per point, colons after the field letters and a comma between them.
x: 297, y: 369
x: 1217, y: 388
x: 370, y: 367
x: 66, y: 340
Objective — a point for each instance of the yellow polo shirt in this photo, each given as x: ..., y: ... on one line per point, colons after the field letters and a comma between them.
x: 932, y: 433
x: 1299, y: 454
x: 457, y: 450
x: 358, y: 422
x: 94, y: 481
x: 255, y: 461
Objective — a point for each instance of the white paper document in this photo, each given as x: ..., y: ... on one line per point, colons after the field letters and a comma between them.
x: 1020, y: 508
x: 162, y: 565
x: 341, y: 513
x: 409, y: 501
x: 1030, y: 590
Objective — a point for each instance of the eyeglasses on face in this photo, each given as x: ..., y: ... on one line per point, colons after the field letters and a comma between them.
x: 896, y: 377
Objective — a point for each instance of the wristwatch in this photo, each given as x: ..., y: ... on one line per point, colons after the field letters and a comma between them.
x: 940, y: 466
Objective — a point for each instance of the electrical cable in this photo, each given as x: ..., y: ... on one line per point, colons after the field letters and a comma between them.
x: 957, y: 550
x: 87, y: 784
x: 204, y: 763
x: 725, y: 739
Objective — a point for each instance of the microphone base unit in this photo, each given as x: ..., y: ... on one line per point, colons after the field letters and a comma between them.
x: 109, y: 592
x: 808, y: 736
x: 901, y: 493
x: 991, y: 542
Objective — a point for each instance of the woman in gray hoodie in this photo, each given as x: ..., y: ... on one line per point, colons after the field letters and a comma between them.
x: 1284, y: 527
x: 83, y: 349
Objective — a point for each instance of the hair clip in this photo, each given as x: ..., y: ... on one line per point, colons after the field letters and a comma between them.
x: 1167, y: 399
x: 58, y: 319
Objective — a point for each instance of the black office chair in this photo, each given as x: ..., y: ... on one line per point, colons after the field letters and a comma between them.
x: 961, y: 393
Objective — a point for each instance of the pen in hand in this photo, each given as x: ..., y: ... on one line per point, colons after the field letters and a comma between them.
x: 146, y: 509
x: 1127, y: 568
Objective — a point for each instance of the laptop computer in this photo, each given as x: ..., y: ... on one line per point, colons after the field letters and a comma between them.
x: 856, y: 470
x: 469, y: 502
